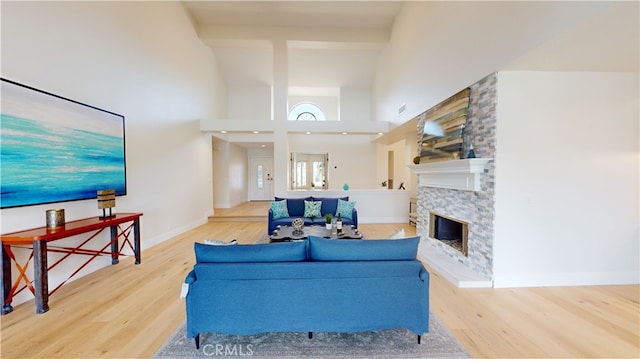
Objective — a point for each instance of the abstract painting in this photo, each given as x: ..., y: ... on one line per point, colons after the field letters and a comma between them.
x: 53, y: 149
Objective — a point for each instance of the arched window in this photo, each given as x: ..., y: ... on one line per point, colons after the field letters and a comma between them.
x: 306, y: 112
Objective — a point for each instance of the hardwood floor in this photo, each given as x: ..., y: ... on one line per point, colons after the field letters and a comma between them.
x: 129, y: 311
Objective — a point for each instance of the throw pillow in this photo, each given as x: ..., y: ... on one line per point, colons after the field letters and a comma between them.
x: 345, y: 209
x: 312, y: 209
x: 279, y: 209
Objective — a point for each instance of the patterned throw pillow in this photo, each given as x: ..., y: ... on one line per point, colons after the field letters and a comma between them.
x: 312, y: 209
x: 279, y: 209
x: 345, y: 209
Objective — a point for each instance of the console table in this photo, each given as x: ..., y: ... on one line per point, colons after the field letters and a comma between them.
x: 122, y: 226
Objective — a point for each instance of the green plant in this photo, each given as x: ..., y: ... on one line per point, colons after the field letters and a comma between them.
x: 384, y: 183
x: 328, y: 217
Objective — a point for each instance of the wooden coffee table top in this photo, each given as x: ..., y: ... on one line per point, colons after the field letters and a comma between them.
x: 285, y: 233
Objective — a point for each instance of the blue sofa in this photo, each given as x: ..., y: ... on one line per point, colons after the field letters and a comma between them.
x: 315, y: 285
x: 295, y: 207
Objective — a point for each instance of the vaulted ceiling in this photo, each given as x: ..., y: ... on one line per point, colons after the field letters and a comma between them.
x: 340, y: 41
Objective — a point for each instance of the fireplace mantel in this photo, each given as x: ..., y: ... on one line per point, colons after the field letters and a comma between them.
x: 462, y: 174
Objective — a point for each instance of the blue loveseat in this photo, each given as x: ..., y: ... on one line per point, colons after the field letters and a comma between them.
x: 316, y: 285
x: 296, y: 206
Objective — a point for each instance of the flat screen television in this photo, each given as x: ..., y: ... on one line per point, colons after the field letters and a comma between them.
x: 443, y: 130
x: 53, y: 149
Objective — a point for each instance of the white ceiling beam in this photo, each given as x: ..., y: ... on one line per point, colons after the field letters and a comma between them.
x: 299, y: 37
x: 332, y: 127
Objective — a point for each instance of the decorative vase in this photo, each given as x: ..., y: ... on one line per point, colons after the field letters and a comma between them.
x: 345, y: 187
x: 472, y: 153
x: 55, y: 218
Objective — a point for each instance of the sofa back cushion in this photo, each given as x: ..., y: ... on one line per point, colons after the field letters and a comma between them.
x: 329, y: 205
x: 322, y: 249
x: 249, y: 253
x: 307, y: 270
x: 295, y: 206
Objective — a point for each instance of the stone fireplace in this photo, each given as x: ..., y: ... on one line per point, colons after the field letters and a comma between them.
x: 462, y: 190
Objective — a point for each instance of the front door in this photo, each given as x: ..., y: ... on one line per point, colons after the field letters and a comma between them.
x: 261, y: 179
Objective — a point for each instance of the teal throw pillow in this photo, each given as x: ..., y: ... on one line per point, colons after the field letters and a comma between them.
x: 345, y: 209
x: 279, y: 209
x: 312, y: 209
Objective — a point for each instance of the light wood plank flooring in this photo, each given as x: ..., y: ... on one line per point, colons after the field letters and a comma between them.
x: 128, y: 311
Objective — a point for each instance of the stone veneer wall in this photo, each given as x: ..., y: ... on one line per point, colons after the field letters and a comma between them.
x: 476, y: 208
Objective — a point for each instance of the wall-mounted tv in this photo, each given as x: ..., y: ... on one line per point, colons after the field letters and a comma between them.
x: 53, y: 149
x: 442, y: 133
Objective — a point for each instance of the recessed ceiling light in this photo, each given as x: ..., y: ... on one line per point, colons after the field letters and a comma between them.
x: 256, y: 132
x: 380, y: 133
x: 344, y: 133
x: 308, y: 133
x: 263, y: 146
x: 223, y: 131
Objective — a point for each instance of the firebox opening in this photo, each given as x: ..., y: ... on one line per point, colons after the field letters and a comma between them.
x: 450, y: 231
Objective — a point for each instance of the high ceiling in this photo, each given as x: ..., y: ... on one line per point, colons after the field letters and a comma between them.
x: 339, y: 40
x: 337, y: 43
x: 323, y: 14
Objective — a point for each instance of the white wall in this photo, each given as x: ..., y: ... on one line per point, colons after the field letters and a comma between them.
x: 230, y: 166
x: 139, y: 59
x: 249, y: 103
x: 355, y: 104
x: 440, y: 47
x: 352, y: 159
x: 567, y: 178
x: 238, y: 175
x: 328, y: 104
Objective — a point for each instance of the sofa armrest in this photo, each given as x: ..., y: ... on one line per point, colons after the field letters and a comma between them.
x: 191, y: 277
x: 424, y: 275
x: 271, y: 226
x: 354, y: 217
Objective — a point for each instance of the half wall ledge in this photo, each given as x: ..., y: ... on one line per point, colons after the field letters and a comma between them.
x: 464, y: 174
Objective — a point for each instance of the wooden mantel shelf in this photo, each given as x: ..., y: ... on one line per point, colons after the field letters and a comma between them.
x: 462, y: 174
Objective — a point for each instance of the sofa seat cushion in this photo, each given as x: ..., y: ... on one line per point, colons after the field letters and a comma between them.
x: 307, y: 270
x: 321, y: 249
x: 248, y: 253
x: 287, y: 221
x: 322, y: 221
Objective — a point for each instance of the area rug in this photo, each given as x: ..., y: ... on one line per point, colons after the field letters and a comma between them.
x: 263, y: 239
x: 396, y: 343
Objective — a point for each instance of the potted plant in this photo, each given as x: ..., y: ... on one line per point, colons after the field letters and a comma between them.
x: 328, y: 217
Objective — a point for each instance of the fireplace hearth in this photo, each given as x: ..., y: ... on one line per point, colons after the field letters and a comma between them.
x: 450, y: 231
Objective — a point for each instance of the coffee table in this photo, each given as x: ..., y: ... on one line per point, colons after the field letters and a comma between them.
x: 285, y: 233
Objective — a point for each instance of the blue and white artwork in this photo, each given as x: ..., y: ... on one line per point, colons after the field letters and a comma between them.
x: 54, y: 149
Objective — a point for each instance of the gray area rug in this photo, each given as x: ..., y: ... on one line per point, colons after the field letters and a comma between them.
x: 395, y: 343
